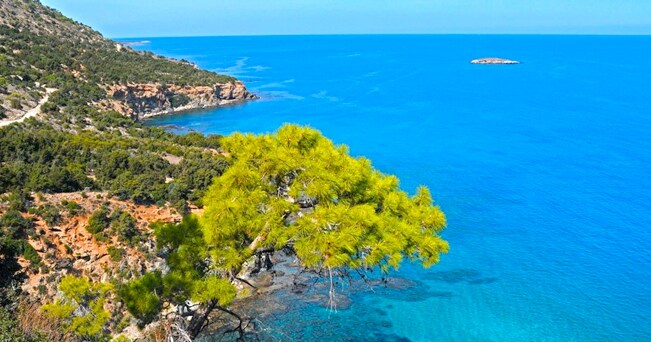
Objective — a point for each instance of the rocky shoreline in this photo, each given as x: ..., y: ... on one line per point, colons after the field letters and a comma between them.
x: 141, y: 101
x: 193, y: 108
x: 283, y: 285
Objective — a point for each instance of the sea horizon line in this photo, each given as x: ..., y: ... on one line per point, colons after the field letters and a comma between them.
x: 390, y: 34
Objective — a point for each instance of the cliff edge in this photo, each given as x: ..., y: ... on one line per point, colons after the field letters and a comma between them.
x: 152, y: 99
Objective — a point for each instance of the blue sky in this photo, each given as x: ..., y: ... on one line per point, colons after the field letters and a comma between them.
x: 145, y: 18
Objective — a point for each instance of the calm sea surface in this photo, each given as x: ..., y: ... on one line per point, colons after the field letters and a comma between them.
x: 543, y: 170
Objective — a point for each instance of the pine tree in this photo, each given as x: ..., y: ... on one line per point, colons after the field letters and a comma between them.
x: 297, y: 189
x: 292, y: 190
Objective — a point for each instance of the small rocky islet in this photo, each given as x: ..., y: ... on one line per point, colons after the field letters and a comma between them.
x: 493, y: 60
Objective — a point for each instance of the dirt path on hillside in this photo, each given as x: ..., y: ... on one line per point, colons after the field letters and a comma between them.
x: 32, y: 112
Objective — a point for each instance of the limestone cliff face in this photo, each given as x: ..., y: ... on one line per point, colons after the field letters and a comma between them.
x: 152, y: 99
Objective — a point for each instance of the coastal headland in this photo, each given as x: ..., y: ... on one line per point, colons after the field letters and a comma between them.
x: 152, y: 99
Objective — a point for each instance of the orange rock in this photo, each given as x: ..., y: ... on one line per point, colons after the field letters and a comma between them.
x: 89, y: 256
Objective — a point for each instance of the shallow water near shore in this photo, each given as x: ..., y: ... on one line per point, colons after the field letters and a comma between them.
x: 542, y: 169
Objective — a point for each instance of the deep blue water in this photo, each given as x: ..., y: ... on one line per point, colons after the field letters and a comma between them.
x: 543, y: 170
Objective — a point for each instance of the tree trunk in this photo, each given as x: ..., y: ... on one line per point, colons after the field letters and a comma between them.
x: 200, y: 319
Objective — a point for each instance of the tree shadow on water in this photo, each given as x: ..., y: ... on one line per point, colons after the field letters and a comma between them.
x: 389, y: 338
x: 410, y: 291
x: 468, y: 276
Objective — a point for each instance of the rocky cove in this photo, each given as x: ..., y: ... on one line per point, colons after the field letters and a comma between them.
x: 146, y: 100
x: 279, y: 297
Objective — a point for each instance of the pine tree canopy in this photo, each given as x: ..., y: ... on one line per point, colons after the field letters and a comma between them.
x: 295, y: 188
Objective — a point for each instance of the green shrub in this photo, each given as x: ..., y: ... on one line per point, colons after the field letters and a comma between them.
x: 116, y: 254
x: 99, y: 221
x: 50, y: 214
x: 124, y: 225
x: 72, y: 208
x: 15, y: 100
x: 15, y: 225
x: 20, y: 201
x: 140, y: 297
x: 80, y: 295
x: 178, y: 100
x: 30, y: 254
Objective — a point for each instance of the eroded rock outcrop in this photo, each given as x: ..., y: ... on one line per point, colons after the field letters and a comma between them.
x: 68, y: 247
x: 152, y: 99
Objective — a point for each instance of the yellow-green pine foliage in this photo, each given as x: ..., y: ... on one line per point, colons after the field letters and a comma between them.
x: 142, y: 296
x: 213, y: 288
x: 82, y: 307
x: 361, y: 217
x: 187, y: 278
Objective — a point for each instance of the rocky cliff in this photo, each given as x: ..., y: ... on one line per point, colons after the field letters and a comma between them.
x: 152, y: 99
x: 66, y: 247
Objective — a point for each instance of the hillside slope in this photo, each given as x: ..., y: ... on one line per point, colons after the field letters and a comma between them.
x: 39, y: 47
x: 81, y: 181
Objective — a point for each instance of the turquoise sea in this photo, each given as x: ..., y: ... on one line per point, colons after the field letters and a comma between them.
x: 543, y: 170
